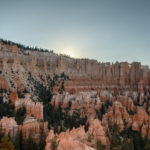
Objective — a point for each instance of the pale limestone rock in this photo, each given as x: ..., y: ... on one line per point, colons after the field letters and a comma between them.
x: 32, y: 125
x: 9, y: 125
x: 69, y: 140
x: 97, y: 130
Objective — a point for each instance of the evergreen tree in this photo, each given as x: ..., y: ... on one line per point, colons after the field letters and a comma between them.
x: 20, y: 115
x: 100, y: 146
x: 18, y: 141
x: 125, y: 144
x: 6, y: 144
x: 146, y: 143
x: 115, y: 142
x: 42, y: 141
x: 1, y: 133
x: 137, y: 141
x: 30, y: 144
x: 131, y: 144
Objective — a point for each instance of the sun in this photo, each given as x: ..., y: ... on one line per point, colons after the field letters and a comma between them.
x: 69, y: 52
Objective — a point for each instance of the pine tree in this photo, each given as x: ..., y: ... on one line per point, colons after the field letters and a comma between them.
x: 42, y: 141
x: 131, y: 145
x: 6, y: 144
x: 30, y: 144
x: 1, y: 133
x: 18, y: 141
x: 146, y: 143
x: 100, y: 146
x: 125, y: 145
x: 115, y: 142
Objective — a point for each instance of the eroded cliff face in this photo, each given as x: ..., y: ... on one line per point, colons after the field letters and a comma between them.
x: 35, y: 128
x: 85, y: 74
x: 100, y: 94
x: 29, y: 126
x: 9, y: 126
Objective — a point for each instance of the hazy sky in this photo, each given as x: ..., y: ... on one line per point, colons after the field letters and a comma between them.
x: 106, y: 30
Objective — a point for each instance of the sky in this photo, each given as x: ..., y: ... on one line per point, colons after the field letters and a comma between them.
x: 105, y: 30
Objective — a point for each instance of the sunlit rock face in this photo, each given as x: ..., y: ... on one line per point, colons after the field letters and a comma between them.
x: 4, y: 83
x: 76, y: 139
x: 32, y: 108
x: 86, y: 102
x: 85, y: 74
x: 34, y: 127
x: 97, y: 131
x: 104, y: 93
x: 13, y: 97
x: 79, y: 139
x: 9, y: 126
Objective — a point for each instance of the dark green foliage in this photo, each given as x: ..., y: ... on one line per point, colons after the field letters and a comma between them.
x: 42, y: 141
x: 23, y: 47
x: 18, y: 141
x: 131, y: 112
x: 125, y: 143
x: 30, y: 143
x: 20, y: 95
x: 45, y: 94
x: 134, y: 138
x: 20, y: 115
x: 103, y: 109
x: 64, y: 76
x: 62, y: 88
x: 6, y: 109
x: 74, y: 120
x: 1, y: 133
x: 100, y: 146
x: 146, y: 143
x: 56, y: 117
x: 115, y: 141
x: 3, y: 91
x: 128, y: 139
x: 137, y: 140
x: 25, y: 91
x: 6, y: 144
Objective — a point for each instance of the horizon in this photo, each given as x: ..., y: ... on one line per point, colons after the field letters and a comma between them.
x: 143, y: 65
x: 105, y: 31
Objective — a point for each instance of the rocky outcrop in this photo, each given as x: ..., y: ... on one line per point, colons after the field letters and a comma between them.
x: 116, y: 114
x: 32, y: 108
x: 69, y: 140
x: 86, y: 102
x: 9, y: 125
x: 34, y: 127
x: 19, y: 84
x: 30, y: 126
x: 115, y: 93
x: 85, y: 74
x: 4, y: 83
x: 77, y: 139
x: 13, y: 97
x: 140, y: 118
x: 97, y: 131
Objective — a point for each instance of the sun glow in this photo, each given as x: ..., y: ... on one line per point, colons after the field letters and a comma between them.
x: 68, y: 52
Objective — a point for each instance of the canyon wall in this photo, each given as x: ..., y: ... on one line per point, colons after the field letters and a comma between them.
x: 84, y: 73
x: 102, y: 94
